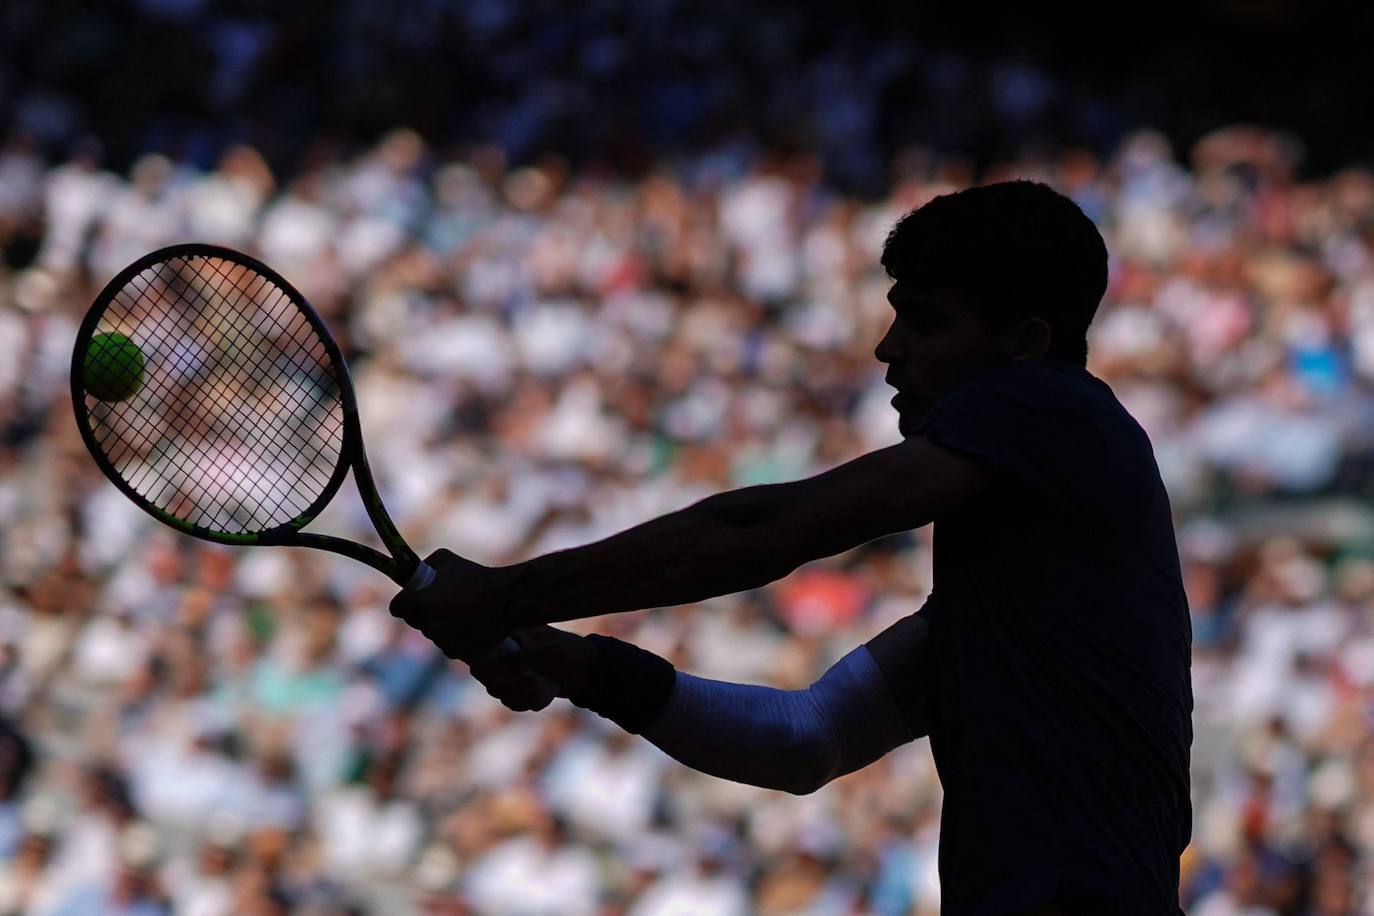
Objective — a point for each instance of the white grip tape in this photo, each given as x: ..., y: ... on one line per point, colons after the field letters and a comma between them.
x: 423, y: 577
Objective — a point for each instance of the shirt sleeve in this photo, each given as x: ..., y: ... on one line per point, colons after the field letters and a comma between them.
x: 902, y: 654
x: 1030, y: 425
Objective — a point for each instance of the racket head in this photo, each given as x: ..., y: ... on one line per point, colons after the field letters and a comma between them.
x: 245, y: 423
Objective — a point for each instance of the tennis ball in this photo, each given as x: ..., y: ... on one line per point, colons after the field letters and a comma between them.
x: 114, y: 367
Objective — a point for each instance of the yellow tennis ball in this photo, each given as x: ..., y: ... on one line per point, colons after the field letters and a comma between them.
x: 114, y: 367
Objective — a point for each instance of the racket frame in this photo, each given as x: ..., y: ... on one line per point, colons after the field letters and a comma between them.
x: 402, y: 566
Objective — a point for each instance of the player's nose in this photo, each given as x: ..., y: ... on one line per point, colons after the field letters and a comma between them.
x: 886, y: 350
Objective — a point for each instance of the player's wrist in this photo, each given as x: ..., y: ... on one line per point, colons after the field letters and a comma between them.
x: 582, y: 657
x: 626, y: 684
x: 508, y: 600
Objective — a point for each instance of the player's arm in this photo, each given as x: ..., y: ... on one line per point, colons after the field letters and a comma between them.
x: 792, y: 740
x: 742, y: 539
x: 902, y: 654
x: 731, y: 542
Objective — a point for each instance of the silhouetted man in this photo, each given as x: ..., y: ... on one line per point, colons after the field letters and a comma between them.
x: 1050, y: 664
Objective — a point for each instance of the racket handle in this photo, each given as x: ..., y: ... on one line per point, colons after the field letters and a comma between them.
x: 424, y: 576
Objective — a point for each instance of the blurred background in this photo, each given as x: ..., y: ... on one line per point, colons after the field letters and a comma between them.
x: 590, y: 263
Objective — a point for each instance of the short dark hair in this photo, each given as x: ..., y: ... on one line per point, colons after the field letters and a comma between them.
x: 1014, y: 249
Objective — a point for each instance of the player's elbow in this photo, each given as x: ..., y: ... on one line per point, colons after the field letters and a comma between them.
x: 813, y: 763
x: 804, y: 786
x: 808, y: 780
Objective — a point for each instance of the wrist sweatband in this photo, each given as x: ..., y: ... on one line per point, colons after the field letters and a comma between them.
x: 627, y: 685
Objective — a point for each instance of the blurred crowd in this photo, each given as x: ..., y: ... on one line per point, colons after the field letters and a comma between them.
x: 603, y: 81
x: 545, y: 356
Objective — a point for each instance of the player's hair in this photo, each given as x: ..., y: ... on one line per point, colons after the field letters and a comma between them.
x: 1014, y: 249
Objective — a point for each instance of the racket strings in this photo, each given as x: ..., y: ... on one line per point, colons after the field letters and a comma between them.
x: 238, y: 426
x: 255, y: 374
x: 228, y: 424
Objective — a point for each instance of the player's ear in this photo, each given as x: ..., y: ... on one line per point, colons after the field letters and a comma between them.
x: 1030, y: 339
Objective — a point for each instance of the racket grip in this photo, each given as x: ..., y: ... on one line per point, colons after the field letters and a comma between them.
x: 424, y: 576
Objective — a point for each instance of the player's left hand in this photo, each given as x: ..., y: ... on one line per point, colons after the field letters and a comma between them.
x: 548, y: 663
x: 460, y: 612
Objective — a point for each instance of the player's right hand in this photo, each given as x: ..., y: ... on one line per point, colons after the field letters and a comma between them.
x: 460, y: 611
x: 546, y: 654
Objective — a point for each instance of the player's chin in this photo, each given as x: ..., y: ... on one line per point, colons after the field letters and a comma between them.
x: 908, y: 416
x: 905, y: 425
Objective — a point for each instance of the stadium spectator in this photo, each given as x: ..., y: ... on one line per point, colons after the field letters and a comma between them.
x: 546, y: 356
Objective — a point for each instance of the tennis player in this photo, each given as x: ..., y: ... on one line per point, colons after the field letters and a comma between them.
x: 1050, y: 664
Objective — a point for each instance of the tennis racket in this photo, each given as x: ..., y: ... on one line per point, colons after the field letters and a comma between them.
x: 223, y: 407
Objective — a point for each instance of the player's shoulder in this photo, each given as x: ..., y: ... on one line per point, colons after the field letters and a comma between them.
x: 1053, y: 424
x: 1051, y: 384
x: 1051, y: 372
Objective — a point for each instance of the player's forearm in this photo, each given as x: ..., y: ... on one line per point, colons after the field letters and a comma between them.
x: 690, y: 555
x: 793, y: 740
x: 759, y: 736
x: 790, y: 740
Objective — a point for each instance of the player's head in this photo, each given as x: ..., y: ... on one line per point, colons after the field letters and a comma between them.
x: 983, y: 277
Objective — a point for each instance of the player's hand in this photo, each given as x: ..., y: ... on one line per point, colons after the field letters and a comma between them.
x: 520, y: 679
x: 460, y: 612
